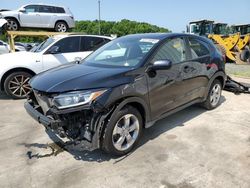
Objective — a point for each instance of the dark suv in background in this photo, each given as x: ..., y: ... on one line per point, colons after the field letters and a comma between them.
x: 125, y: 86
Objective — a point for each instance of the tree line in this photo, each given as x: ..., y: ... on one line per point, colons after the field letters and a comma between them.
x: 121, y: 28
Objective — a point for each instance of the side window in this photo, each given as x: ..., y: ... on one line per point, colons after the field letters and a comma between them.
x: 91, y: 43
x: 59, y: 10
x: 69, y: 44
x: 173, y: 50
x: 31, y: 8
x: 198, y: 48
x: 46, y: 9
x: 1, y: 43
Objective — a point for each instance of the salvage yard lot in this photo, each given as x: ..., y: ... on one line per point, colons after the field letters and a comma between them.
x: 192, y: 148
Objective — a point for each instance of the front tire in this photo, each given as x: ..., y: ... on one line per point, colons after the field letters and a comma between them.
x: 123, y: 131
x: 16, y: 85
x: 12, y: 24
x: 214, y: 95
x: 61, y: 27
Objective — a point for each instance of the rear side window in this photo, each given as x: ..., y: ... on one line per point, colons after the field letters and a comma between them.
x: 59, y: 10
x: 46, y: 9
x: 92, y: 43
x: 69, y: 44
x: 198, y: 48
x: 173, y: 50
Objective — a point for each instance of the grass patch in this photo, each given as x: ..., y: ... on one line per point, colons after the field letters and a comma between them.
x: 238, y: 70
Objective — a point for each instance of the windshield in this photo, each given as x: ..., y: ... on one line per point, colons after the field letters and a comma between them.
x: 42, y: 45
x: 122, y: 52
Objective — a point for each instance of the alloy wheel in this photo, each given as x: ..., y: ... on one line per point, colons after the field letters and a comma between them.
x: 12, y: 25
x: 215, y: 94
x: 125, y: 132
x: 19, y: 85
x: 61, y: 28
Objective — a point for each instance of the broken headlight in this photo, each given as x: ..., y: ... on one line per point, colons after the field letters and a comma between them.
x: 73, y: 99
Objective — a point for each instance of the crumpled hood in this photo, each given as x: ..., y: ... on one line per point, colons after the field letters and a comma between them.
x: 72, y: 77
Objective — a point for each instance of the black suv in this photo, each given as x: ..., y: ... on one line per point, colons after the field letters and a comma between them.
x: 126, y: 86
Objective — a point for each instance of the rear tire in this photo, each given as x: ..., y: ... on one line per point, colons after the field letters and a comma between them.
x: 245, y: 55
x: 122, y: 132
x: 214, y: 95
x: 12, y: 24
x: 16, y: 85
x: 61, y: 27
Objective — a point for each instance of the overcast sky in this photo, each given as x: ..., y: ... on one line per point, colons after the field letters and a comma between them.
x: 172, y: 14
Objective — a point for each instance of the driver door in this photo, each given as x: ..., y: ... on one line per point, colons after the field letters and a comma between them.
x: 167, y: 87
x: 31, y: 16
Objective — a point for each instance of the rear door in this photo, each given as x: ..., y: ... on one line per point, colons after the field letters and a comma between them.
x: 46, y: 14
x: 69, y: 52
x: 31, y: 16
x: 199, y: 59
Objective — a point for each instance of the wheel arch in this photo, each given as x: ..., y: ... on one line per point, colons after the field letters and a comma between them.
x: 19, y: 69
x: 61, y: 21
x: 12, y: 17
x: 138, y: 104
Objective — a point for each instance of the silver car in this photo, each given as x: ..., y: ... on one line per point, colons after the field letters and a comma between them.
x: 39, y: 16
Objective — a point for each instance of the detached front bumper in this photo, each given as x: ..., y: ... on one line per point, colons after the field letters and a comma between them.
x: 76, y: 130
x: 40, y: 118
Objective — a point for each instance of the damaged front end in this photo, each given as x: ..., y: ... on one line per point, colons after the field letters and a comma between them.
x: 78, y: 123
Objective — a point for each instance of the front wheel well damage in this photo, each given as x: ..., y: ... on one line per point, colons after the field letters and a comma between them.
x: 12, y: 71
x: 104, y: 119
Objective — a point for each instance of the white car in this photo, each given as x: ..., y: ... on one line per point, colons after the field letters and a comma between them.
x: 4, y: 48
x: 3, y: 24
x: 39, y: 16
x: 16, y: 69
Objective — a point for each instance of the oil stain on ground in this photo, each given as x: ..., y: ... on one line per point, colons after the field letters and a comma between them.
x: 180, y: 185
x: 161, y: 157
x: 53, y: 150
x: 171, y: 136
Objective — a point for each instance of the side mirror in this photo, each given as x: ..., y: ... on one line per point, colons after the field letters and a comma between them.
x: 22, y: 10
x: 161, y: 65
x: 54, y: 50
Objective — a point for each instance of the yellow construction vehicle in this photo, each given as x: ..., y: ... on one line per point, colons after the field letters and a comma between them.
x: 234, y: 46
x: 244, y: 42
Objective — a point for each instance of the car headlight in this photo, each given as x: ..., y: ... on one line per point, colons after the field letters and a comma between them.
x: 73, y: 99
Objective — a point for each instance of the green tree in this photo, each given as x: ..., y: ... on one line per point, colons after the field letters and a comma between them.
x: 121, y: 28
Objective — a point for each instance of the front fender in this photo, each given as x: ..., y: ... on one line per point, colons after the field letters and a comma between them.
x: 101, y: 120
